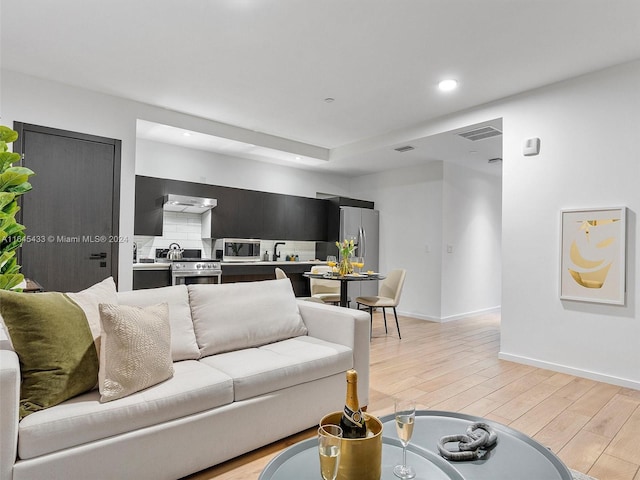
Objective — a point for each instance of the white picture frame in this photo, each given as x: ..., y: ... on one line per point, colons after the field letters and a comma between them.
x: 593, y: 255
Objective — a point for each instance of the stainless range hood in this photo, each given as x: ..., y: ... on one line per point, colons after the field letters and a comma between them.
x: 187, y: 204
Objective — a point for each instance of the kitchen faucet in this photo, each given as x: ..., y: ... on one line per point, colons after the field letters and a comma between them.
x: 276, y: 255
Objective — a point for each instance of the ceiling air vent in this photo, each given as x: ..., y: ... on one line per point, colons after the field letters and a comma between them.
x: 406, y: 148
x: 480, y: 133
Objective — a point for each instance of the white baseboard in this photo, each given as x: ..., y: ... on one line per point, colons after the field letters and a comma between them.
x: 475, y: 313
x: 451, y: 317
x: 556, y: 367
x: 419, y: 316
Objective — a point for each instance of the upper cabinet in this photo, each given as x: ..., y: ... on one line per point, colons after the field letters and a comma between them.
x: 239, y: 213
x: 148, y: 206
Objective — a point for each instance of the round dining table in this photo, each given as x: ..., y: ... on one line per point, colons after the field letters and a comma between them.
x: 344, y: 281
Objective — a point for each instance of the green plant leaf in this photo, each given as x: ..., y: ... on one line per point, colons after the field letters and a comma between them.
x: 7, y: 159
x: 5, y: 199
x: 9, y: 210
x: 13, y: 177
x: 12, y: 237
x: 6, y: 256
x: 9, y: 282
x: 11, y: 266
x: 7, y: 134
x: 13, y: 182
x: 22, y: 188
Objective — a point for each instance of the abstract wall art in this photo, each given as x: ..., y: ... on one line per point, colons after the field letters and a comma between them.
x: 593, y: 255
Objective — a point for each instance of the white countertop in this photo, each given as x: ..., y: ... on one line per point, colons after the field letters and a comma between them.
x: 152, y: 266
x: 280, y: 262
x: 166, y: 265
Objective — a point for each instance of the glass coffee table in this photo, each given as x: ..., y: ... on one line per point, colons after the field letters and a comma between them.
x: 515, y: 456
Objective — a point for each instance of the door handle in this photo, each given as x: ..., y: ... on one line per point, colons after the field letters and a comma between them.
x: 362, y: 251
x: 98, y: 256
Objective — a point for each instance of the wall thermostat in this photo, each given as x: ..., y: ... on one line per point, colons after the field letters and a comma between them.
x: 531, y: 146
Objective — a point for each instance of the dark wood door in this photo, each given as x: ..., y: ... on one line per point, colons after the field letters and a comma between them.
x: 72, y: 214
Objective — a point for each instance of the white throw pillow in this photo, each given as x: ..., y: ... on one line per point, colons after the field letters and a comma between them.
x: 89, y: 299
x: 183, y: 338
x: 136, y: 349
x: 232, y: 316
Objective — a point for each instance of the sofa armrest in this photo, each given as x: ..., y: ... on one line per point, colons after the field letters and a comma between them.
x: 9, y: 410
x: 345, y: 326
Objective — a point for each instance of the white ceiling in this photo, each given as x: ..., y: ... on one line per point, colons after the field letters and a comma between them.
x: 267, y: 65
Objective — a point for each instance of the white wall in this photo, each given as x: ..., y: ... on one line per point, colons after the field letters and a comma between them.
x: 472, y: 234
x: 422, y: 210
x: 410, y: 204
x: 162, y: 160
x: 589, y: 131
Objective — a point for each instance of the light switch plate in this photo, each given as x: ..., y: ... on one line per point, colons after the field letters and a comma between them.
x: 531, y: 146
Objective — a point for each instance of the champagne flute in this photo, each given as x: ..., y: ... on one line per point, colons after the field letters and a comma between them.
x: 329, y: 439
x: 405, y: 412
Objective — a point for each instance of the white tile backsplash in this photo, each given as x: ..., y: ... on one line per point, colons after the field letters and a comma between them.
x: 185, y: 229
x: 304, y: 250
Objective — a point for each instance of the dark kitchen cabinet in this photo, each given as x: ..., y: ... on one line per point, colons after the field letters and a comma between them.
x: 245, y: 215
x: 240, y: 213
x: 315, y: 219
x: 274, y: 221
x: 148, y: 206
x: 294, y: 214
x: 253, y: 273
x: 151, y: 279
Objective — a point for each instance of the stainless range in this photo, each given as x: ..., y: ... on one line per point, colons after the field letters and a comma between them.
x: 192, y: 268
x: 195, y: 270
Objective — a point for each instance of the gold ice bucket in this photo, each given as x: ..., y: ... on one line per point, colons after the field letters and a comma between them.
x: 360, y: 458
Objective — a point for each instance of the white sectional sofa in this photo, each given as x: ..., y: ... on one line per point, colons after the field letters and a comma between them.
x: 243, y: 377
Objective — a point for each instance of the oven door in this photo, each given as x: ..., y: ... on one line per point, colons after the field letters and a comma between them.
x: 192, y: 278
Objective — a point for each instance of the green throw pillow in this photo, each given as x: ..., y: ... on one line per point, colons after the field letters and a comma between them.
x: 50, y: 334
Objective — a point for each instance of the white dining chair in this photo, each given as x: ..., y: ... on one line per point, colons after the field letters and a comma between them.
x: 388, y: 297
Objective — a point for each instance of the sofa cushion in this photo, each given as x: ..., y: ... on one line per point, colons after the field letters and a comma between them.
x: 136, y: 349
x: 58, y: 357
x: 193, y: 388
x: 183, y: 338
x: 257, y: 371
x: 89, y: 299
x: 235, y: 316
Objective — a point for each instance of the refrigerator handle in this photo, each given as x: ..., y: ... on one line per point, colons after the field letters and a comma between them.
x: 362, y: 244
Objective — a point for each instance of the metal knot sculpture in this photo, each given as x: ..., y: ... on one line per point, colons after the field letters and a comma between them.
x: 479, y: 438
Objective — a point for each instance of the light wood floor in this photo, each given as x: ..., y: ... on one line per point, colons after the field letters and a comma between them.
x: 593, y: 427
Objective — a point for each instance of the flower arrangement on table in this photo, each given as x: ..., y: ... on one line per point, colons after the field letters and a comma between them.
x: 346, y: 249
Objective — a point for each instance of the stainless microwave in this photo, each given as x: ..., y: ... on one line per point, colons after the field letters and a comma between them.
x: 238, y: 249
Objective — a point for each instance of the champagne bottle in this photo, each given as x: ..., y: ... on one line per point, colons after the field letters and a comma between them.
x: 352, y: 421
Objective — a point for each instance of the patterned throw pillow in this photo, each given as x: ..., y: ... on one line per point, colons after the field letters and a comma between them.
x: 135, y: 349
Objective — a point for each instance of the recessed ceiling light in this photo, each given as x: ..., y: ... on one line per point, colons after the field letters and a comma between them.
x: 187, y: 134
x: 298, y: 158
x: 448, y: 85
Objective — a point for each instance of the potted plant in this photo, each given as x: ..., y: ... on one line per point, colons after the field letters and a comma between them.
x: 13, y: 183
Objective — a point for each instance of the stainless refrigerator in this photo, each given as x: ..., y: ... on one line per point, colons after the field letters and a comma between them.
x: 363, y: 226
